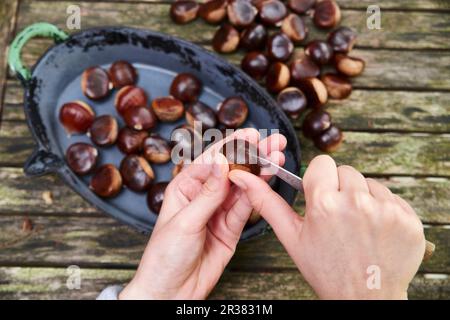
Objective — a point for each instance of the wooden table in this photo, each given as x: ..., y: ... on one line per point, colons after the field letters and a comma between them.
x: 397, y: 130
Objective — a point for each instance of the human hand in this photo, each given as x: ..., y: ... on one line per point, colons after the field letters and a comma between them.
x: 351, y: 223
x: 198, y: 228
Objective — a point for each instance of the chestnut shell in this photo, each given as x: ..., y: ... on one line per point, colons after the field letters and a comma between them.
x: 292, y: 101
x: 81, y: 158
x: 168, y: 109
x: 232, y: 112
x: 155, y: 196
x: 184, y: 11
x: 186, y: 87
x: 76, y: 117
x: 136, y: 172
x: 254, y: 37
x: 240, y: 155
x: 329, y: 140
x: 156, y: 149
x: 200, y: 112
x: 315, y: 123
x: 140, y: 118
x: 279, y: 47
x: 130, y: 141
x: 104, y: 130
x: 130, y: 97
x: 106, y: 181
x: 255, y: 64
x: 226, y: 39
x: 95, y: 83
x: 122, y: 73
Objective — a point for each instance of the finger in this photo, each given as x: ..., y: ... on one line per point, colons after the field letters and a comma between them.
x: 321, y: 175
x: 378, y: 191
x: 274, y: 142
x: 276, y: 157
x: 404, y: 204
x: 351, y: 180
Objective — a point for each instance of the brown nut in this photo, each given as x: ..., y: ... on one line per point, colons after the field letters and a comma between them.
x: 131, y: 141
x: 241, y: 13
x: 155, y: 196
x: 177, y: 169
x: 255, y: 64
x: 319, y: 51
x: 140, y: 118
x: 300, y: 6
x: 186, y: 87
x: 104, y: 130
x: 156, y: 149
x: 303, y: 68
x: 185, y: 138
x: 278, y: 77
x: 200, y: 112
x: 81, y: 158
x: 184, y: 11
x: 326, y: 14
x: 338, y: 87
x: 95, y: 83
x: 349, y: 66
x: 292, y: 101
x: 136, y: 172
x: 226, y: 39
x: 272, y: 12
x: 232, y: 112
x: 213, y: 11
x: 342, y: 39
x: 76, y: 117
x: 106, y: 181
x: 241, y: 155
x: 168, y: 109
x: 130, y: 97
x: 294, y: 27
x: 279, y: 47
x: 315, y: 123
x: 254, y: 37
x: 122, y: 73
x: 314, y: 90
x: 330, y: 140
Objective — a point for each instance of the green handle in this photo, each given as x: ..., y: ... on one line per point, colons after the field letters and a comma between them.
x: 41, y: 29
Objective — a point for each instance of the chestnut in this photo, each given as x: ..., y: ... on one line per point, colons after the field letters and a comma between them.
x: 320, y: 51
x: 279, y: 47
x: 140, y: 118
x: 177, y: 169
x: 76, y: 117
x: 232, y: 112
x: 303, y: 68
x: 130, y: 97
x: 106, y: 181
x: 136, y: 172
x: 300, y: 6
x: 241, y: 13
x: 81, y: 157
x: 168, y: 109
x: 254, y: 37
x: 278, y: 77
x: 329, y: 140
x: 241, y: 155
x: 155, y: 196
x: 213, y: 11
x: 95, y: 83
x: 185, y: 138
x: 342, y: 39
x: 338, y: 87
x: 255, y: 64
x: 294, y: 27
x: 156, y: 149
x: 200, y: 112
x: 326, y: 14
x: 349, y: 66
x: 292, y: 101
x: 122, y: 73
x: 272, y: 12
x: 104, y: 130
x: 184, y: 11
x: 226, y: 39
x: 315, y: 123
x: 314, y: 90
x: 131, y: 141
x: 186, y: 87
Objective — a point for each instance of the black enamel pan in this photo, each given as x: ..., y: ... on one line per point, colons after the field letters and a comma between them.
x: 55, y: 79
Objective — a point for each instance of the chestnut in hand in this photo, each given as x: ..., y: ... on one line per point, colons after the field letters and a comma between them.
x: 106, y: 181
x: 155, y: 196
x: 315, y: 123
x: 168, y: 109
x: 329, y: 140
x: 186, y: 87
x: 76, y: 117
x: 272, y: 12
x: 241, y: 155
x: 314, y: 90
x: 278, y: 77
x: 241, y: 13
x: 131, y: 141
x: 279, y: 47
x: 140, y: 118
x: 320, y: 51
x: 156, y: 149
x: 327, y: 14
x: 300, y: 6
x: 81, y: 158
x: 184, y: 11
x: 122, y: 73
x: 104, y: 130
x: 255, y: 64
x: 292, y: 101
x: 129, y: 97
x: 294, y: 27
x: 137, y: 174
x: 254, y: 37
x: 349, y: 66
x: 213, y: 11
x: 232, y: 112
x: 200, y: 112
x: 226, y: 39
x: 338, y: 87
x: 95, y: 83
x: 303, y: 68
x: 342, y: 39
x: 177, y: 169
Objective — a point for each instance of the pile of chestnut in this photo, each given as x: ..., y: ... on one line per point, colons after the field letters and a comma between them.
x: 141, y: 147
x: 297, y: 79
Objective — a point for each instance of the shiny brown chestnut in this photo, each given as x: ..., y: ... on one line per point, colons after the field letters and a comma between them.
x: 277, y: 77
x: 342, y: 39
x: 320, y: 51
x: 255, y: 64
x: 279, y: 47
x: 294, y: 27
x: 130, y: 141
x: 155, y: 196
x: 300, y: 6
x: 303, y: 68
x: 241, y: 155
x: 184, y: 11
x: 136, y: 172
x: 168, y: 109
x: 241, y: 13
x: 338, y: 87
x: 130, y: 97
x: 140, y: 118
x: 226, y: 39
x: 95, y: 83
x: 254, y: 37
x: 327, y: 14
x: 81, y: 158
x: 104, y: 130
x: 272, y: 12
x: 106, y: 181
x: 200, y: 112
x: 330, y: 140
x: 232, y: 112
x: 156, y: 149
x: 292, y: 101
x: 315, y: 123
x: 76, y: 117
x: 314, y: 90
x: 213, y: 11
x: 186, y: 87
x: 122, y: 73
x: 349, y: 66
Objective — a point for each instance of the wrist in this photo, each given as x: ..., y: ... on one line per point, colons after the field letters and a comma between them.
x: 133, y: 291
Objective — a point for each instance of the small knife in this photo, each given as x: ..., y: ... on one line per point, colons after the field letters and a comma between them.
x: 294, y: 181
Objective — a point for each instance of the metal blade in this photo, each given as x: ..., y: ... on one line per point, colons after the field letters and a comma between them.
x: 294, y: 181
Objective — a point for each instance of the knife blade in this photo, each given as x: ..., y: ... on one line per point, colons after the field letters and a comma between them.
x: 293, y: 180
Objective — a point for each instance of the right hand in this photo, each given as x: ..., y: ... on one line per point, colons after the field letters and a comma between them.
x: 351, y: 223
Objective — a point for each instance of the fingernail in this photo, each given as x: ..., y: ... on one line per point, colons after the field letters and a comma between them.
x: 241, y: 184
x: 217, y: 170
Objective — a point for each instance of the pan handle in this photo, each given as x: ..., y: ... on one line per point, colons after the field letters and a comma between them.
x: 41, y: 162
x: 41, y: 29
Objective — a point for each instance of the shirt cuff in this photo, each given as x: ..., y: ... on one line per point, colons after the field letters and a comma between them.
x: 110, y: 293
